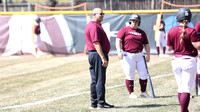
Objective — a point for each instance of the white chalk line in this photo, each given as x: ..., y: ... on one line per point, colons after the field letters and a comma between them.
x: 67, y: 96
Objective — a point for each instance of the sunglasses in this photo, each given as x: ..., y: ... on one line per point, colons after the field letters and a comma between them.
x: 100, y: 14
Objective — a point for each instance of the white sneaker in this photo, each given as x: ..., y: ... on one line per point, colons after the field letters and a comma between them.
x: 144, y: 95
x: 132, y: 95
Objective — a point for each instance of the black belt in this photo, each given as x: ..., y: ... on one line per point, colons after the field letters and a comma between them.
x: 96, y: 51
x: 136, y: 52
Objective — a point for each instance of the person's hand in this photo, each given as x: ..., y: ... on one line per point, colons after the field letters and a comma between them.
x: 104, y: 62
x: 120, y: 55
x: 147, y: 58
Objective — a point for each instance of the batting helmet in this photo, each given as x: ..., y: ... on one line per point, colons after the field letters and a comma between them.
x: 135, y: 17
x: 184, y: 14
x: 38, y: 20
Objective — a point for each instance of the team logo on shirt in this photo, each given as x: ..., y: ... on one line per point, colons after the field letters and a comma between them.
x: 135, y: 33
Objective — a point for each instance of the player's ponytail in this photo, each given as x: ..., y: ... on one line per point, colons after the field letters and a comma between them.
x: 185, y: 22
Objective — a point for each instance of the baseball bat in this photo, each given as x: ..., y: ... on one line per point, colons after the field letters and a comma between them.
x: 196, y: 85
x: 149, y: 80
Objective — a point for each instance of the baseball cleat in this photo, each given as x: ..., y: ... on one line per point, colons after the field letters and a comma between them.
x: 144, y: 95
x: 132, y: 96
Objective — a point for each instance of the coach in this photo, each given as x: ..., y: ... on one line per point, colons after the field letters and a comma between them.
x: 98, y: 47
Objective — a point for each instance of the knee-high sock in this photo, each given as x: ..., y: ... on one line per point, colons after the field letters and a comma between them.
x: 130, y: 85
x: 199, y: 80
x: 143, y: 85
x: 36, y: 50
x: 164, y: 50
x: 158, y: 50
x: 184, y: 101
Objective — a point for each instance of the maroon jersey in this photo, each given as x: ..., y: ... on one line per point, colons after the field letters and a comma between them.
x: 173, y: 39
x: 132, y: 39
x: 37, y: 29
x: 95, y: 33
x: 162, y: 25
x: 197, y: 27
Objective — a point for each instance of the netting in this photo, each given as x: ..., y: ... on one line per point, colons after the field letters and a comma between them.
x: 174, y: 6
x: 39, y: 7
x: 82, y: 6
x: 162, y: 7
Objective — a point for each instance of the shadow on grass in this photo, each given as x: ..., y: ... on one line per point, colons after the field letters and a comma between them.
x: 146, y: 106
x: 172, y: 96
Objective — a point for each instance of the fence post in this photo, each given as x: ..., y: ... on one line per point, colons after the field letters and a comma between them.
x: 29, y: 6
x: 5, y: 7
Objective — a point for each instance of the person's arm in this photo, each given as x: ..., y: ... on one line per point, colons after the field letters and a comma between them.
x: 118, y: 47
x: 147, y: 48
x: 169, y: 48
x: 196, y: 45
x: 98, y: 47
x: 154, y: 27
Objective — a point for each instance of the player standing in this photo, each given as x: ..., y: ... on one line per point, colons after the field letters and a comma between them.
x: 129, y: 45
x: 197, y: 28
x: 37, y: 39
x: 161, y: 36
x: 98, y: 47
x: 185, y: 42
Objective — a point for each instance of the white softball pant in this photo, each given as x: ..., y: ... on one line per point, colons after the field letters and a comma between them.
x: 161, y: 38
x: 184, y: 69
x: 131, y: 62
x: 37, y: 41
x: 198, y: 62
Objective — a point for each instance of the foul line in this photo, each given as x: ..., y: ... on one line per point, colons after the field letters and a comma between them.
x: 67, y: 96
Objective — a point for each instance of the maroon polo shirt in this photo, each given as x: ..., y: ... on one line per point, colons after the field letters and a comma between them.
x: 197, y: 27
x: 37, y: 29
x: 173, y: 39
x: 132, y: 39
x: 161, y: 23
x: 95, y: 33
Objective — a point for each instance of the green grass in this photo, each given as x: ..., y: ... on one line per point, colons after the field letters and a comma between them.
x: 27, y: 80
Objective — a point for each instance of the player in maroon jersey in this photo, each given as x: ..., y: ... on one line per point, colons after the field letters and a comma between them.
x: 129, y: 44
x: 185, y: 42
x: 37, y: 39
x: 161, y: 36
x: 197, y: 28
